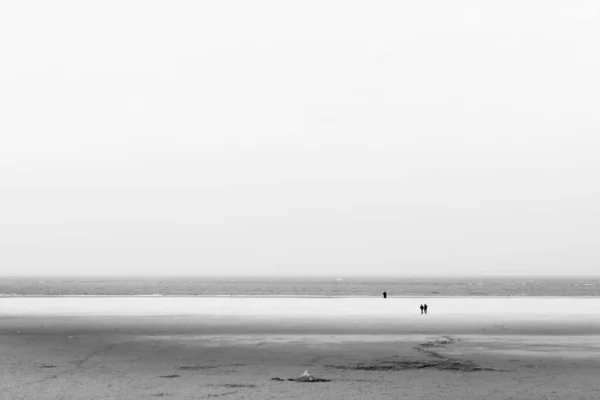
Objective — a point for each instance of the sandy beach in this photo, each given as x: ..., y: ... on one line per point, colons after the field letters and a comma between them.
x: 236, y: 348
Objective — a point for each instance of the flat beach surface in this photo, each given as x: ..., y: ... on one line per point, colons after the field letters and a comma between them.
x: 232, y: 348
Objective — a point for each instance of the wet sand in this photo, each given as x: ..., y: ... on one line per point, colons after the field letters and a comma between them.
x: 223, y: 355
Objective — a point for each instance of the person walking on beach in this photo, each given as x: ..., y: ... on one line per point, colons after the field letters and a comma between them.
x: 384, y: 295
x: 422, y: 308
x: 425, y: 308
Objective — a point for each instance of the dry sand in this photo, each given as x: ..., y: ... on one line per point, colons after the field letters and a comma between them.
x: 237, y: 357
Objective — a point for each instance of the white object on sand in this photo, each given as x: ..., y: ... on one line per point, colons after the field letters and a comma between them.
x: 306, y: 376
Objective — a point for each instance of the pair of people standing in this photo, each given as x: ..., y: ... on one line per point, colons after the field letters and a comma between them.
x: 423, y: 307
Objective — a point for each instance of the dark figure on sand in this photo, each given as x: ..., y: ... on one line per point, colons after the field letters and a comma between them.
x: 425, y: 308
x: 384, y: 295
x: 422, y: 308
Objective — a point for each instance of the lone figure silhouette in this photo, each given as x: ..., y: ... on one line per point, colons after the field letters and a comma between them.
x: 425, y: 308
x: 422, y: 308
x: 384, y: 295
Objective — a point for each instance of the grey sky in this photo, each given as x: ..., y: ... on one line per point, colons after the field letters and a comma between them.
x: 314, y: 137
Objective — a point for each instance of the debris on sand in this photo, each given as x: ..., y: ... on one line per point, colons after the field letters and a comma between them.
x: 437, y: 361
x: 442, y: 365
x: 305, y: 377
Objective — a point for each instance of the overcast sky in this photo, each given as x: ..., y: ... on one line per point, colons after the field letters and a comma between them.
x: 299, y: 138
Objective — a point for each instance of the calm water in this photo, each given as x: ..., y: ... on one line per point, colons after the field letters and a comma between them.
x: 326, y: 287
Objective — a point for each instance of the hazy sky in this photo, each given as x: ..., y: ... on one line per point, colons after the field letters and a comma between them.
x: 291, y: 138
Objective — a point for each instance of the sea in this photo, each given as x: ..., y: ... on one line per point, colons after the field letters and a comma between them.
x: 300, y: 286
